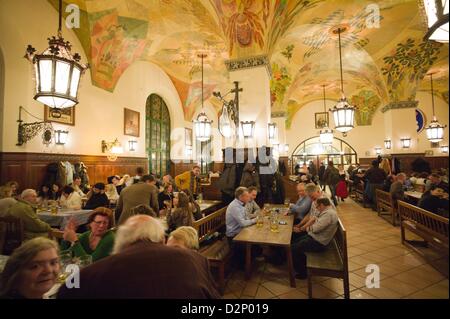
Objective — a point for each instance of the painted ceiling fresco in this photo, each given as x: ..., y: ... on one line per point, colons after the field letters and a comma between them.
x: 384, y: 58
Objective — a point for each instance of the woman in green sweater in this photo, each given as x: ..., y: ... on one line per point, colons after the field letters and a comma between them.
x: 97, y: 242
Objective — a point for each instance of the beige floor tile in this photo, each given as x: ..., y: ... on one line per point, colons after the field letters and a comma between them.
x: 294, y: 294
x: 263, y: 293
x: 398, y: 286
x: 357, y: 281
x: 229, y: 296
x: 440, y: 290
x: 382, y: 293
x: 336, y: 285
x: 276, y: 288
x: 250, y: 289
x: 361, y: 294
x: 320, y: 292
x: 422, y: 294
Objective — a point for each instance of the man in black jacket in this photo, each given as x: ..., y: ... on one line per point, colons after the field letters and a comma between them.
x: 98, y: 197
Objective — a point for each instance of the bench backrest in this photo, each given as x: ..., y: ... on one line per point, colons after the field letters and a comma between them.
x: 385, y: 198
x: 436, y: 225
x: 340, y: 238
x: 13, y: 234
x: 210, y: 224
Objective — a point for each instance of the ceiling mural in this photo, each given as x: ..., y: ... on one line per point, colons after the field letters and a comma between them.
x: 384, y: 57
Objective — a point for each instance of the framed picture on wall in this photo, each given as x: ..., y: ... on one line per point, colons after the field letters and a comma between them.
x: 188, y: 137
x: 62, y: 116
x: 321, y: 119
x: 131, y: 123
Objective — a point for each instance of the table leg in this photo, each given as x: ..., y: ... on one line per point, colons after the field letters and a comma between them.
x: 248, y: 260
x: 290, y: 266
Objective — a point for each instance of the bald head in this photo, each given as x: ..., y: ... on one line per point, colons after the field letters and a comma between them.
x: 138, y: 228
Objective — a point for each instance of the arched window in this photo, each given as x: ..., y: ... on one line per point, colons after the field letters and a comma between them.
x: 311, y: 149
x: 157, y: 135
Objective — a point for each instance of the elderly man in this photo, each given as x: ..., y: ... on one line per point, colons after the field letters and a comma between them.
x: 189, y: 180
x: 303, y: 205
x: 315, y: 233
x: 251, y: 208
x: 25, y: 210
x: 142, y: 193
x: 142, y: 267
x: 236, y: 214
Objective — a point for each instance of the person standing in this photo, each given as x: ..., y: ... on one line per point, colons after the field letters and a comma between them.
x: 142, y: 193
x: 189, y: 180
x: 331, y: 178
x: 374, y: 177
x: 321, y: 173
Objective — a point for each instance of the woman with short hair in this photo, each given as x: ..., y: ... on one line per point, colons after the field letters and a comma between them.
x: 31, y: 271
x: 184, y: 237
x: 98, y: 242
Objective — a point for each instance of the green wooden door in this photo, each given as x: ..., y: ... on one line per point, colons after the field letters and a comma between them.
x: 157, y: 135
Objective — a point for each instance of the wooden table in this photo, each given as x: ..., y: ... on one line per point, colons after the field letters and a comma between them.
x: 253, y: 235
x: 414, y: 194
x: 209, y: 206
x: 63, y: 216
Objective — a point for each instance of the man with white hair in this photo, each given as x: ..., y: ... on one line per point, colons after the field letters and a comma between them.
x: 25, y: 209
x: 141, y: 266
x: 396, y: 190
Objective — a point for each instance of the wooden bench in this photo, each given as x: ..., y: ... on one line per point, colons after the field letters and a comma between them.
x: 431, y: 227
x: 333, y: 262
x: 358, y: 190
x: 218, y: 253
x: 385, y: 203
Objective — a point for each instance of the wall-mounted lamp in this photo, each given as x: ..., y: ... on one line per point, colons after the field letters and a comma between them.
x: 406, y: 142
x: 188, y: 151
x: 378, y: 150
x: 248, y: 129
x: 387, y: 144
x: 444, y: 148
x: 61, y: 137
x: 132, y: 145
x: 272, y: 129
x: 113, y: 148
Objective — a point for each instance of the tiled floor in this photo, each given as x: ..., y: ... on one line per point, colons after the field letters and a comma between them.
x: 371, y: 240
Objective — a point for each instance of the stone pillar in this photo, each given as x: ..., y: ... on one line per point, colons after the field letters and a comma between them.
x: 253, y: 75
x: 400, y: 122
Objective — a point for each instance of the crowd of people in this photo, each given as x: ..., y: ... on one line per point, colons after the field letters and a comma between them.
x: 134, y: 236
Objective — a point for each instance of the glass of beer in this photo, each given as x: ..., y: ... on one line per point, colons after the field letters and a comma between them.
x: 65, y: 259
x: 260, y: 221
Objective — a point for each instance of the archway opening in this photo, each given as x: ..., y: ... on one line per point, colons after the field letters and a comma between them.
x: 339, y: 152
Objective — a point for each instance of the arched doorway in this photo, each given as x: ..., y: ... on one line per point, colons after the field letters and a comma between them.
x: 157, y: 135
x: 311, y: 149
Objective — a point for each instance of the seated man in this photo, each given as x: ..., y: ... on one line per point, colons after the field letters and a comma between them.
x: 435, y: 181
x: 77, y: 186
x: 97, y: 197
x: 317, y: 230
x: 251, y: 208
x: 396, y: 190
x: 70, y: 199
x: 25, y: 210
x: 303, y: 205
x: 435, y: 201
x: 236, y: 220
x: 143, y: 267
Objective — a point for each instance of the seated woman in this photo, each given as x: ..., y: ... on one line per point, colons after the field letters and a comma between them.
x: 97, y: 242
x: 44, y: 194
x: 70, y: 199
x: 14, y: 188
x: 193, y: 205
x: 97, y: 197
x: 31, y: 271
x: 181, y: 215
x: 184, y: 237
x: 166, y: 197
x: 111, y: 189
x: 56, y: 191
x: 6, y: 199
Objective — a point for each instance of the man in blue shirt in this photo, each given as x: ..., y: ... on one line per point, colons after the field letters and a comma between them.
x: 236, y: 213
x: 303, y: 205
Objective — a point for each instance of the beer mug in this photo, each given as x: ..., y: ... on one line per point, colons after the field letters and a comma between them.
x: 259, y: 221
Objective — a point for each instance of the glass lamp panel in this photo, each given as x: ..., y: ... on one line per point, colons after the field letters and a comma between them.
x: 440, y: 34
x: 45, y: 75
x: 55, y: 102
x: 74, y: 83
x: 63, y: 137
x: 431, y: 11
x: 62, y: 77
x: 445, y: 4
x: 36, y: 74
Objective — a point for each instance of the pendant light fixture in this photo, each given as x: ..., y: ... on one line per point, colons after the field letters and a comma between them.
x: 202, y: 124
x: 343, y: 112
x: 225, y: 126
x: 326, y: 134
x: 57, y: 71
x: 435, y: 131
x: 437, y: 20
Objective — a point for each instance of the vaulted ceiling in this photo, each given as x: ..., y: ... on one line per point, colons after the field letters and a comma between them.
x: 384, y: 60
